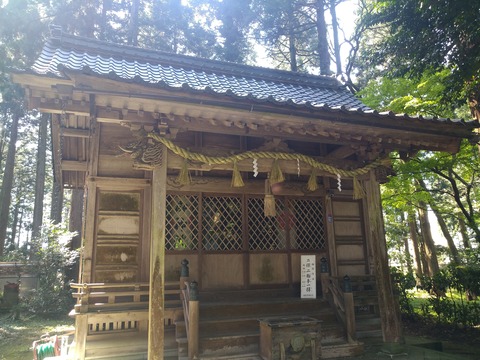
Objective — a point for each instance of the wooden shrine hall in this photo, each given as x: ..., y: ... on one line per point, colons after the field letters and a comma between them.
x: 210, y: 188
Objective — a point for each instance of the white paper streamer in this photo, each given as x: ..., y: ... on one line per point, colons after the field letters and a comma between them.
x: 339, y: 182
x: 298, y: 167
x: 255, y: 167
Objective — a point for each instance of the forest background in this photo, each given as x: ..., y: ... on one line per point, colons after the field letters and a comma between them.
x: 406, y: 56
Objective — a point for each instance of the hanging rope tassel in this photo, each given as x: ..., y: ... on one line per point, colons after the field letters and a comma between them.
x: 184, y: 177
x: 358, y: 190
x: 269, y: 208
x: 237, y: 180
x: 312, y: 184
x: 276, y: 175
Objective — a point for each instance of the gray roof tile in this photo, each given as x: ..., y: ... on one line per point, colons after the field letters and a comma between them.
x: 166, y: 70
x: 178, y: 71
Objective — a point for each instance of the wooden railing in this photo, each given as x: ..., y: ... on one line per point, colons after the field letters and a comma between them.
x: 341, y: 299
x: 103, y: 309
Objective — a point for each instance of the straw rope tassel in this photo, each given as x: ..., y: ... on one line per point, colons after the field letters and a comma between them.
x: 237, y: 180
x: 184, y: 177
x: 358, y: 190
x: 312, y: 184
x: 269, y: 208
x: 276, y: 175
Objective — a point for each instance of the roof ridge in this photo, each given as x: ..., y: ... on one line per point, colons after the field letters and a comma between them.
x: 122, y: 51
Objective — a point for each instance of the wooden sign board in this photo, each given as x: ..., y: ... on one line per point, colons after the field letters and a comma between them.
x: 308, y: 277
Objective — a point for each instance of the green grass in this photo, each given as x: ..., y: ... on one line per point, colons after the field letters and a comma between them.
x: 17, y: 336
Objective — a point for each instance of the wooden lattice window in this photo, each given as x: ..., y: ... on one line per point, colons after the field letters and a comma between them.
x: 181, y: 227
x: 222, y: 223
x: 308, y: 232
x: 265, y: 233
x: 217, y: 223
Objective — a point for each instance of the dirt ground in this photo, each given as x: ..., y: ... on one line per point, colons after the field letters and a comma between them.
x: 422, y: 343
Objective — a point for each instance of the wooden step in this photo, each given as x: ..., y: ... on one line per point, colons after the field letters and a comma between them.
x: 341, y: 350
x: 263, y: 308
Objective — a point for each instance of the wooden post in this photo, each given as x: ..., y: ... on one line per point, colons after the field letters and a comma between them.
x: 156, y: 312
x: 193, y: 321
x: 184, y: 274
x: 330, y: 228
x: 389, y: 312
x: 81, y: 332
x: 349, y: 309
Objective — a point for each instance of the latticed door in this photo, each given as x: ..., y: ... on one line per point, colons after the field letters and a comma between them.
x: 218, y: 231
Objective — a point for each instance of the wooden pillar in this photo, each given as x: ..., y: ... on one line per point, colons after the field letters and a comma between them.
x: 330, y: 228
x: 389, y: 311
x: 157, y: 261
x: 193, y: 321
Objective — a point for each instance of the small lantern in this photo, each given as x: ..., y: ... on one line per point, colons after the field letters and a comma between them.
x: 323, y: 265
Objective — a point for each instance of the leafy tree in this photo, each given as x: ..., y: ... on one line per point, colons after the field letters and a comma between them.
x: 53, y: 257
x: 295, y: 33
x: 443, y: 181
x: 236, y: 17
x: 410, y: 37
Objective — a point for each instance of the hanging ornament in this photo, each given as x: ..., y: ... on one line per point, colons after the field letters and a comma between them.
x: 339, y: 182
x: 255, y: 167
x: 298, y: 167
x: 312, y: 184
x: 237, y: 180
x: 184, y: 177
x: 276, y: 175
x: 269, y: 206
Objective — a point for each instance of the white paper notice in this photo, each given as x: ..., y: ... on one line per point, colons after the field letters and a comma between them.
x: 308, y: 277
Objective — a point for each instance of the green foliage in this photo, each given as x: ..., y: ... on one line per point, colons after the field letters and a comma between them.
x: 403, y: 283
x: 447, y: 303
x: 51, y: 258
x: 411, y: 37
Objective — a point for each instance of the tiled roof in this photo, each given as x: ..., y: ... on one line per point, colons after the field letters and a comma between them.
x: 183, y: 72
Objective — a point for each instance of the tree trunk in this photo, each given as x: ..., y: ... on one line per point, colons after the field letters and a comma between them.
x: 20, y: 225
x: 292, y: 49
x: 443, y: 226
x: 40, y: 177
x: 408, y: 256
x: 106, y: 6
x: 7, y: 184
x: 2, y: 143
x: 464, y: 232
x: 16, y: 215
x: 429, y: 245
x: 412, y: 225
x: 133, y: 31
x: 322, y: 38
x: 75, y: 225
x: 448, y: 237
x: 336, y: 43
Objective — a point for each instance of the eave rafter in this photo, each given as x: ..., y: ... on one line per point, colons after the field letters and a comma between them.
x: 195, y: 119
x: 129, y: 105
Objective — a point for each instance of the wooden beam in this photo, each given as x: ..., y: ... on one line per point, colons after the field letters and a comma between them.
x: 341, y: 152
x: 73, y: 165
x: 157, y: 261
x: 72, y: 132
x: 55, y: 106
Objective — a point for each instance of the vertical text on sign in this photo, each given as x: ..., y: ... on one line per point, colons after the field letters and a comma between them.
x: 308, y: 277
